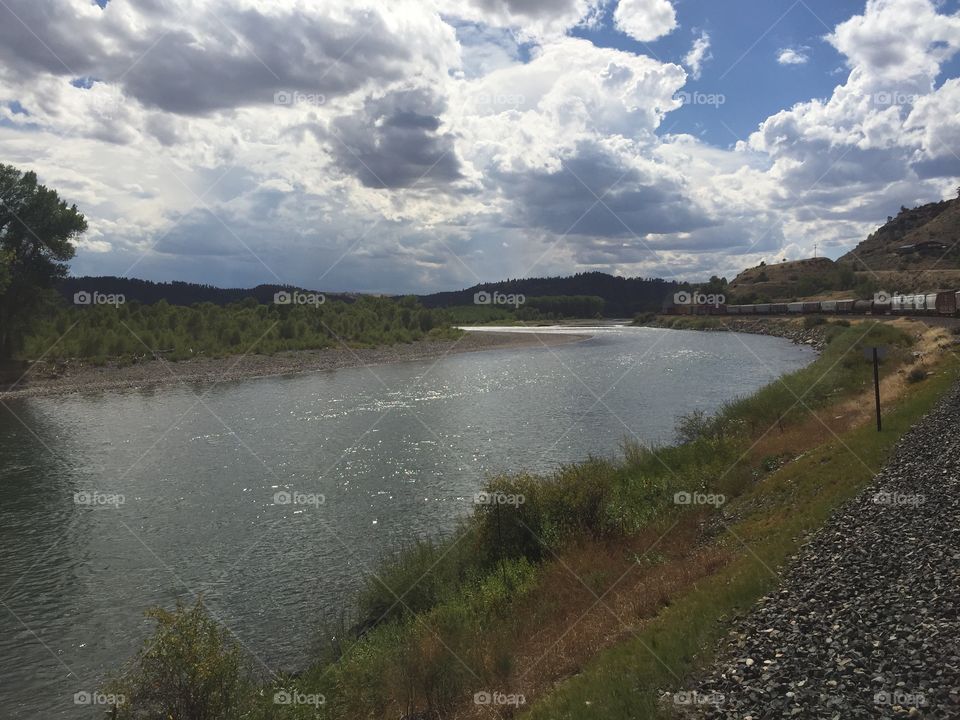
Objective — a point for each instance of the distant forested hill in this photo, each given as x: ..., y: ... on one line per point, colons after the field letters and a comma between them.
x: 624, y: 297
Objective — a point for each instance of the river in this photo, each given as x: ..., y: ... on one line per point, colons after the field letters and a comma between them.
x: 116, y: 502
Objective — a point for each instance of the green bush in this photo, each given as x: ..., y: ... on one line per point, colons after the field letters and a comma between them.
x: 188, y: 670
x: 916, y: 375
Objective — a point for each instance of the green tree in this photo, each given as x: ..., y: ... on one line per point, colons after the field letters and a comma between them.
x: 37, y: 230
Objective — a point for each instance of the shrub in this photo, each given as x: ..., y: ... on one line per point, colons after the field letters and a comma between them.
x: 916, y: 375
x: 188, y: 670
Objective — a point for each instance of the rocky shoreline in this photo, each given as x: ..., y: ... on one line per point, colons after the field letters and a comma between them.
x: 74, y: 377
x: 866, y: 620
x: 792, y: 330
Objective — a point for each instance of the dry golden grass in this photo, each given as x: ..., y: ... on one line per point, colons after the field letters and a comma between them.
x: 595, y: 595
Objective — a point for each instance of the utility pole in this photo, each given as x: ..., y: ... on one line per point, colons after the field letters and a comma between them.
x: 876, y: 354
x: 876, y: 385
x: 816, y: 247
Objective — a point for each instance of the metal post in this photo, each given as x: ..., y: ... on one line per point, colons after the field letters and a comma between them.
x: 876, y: 386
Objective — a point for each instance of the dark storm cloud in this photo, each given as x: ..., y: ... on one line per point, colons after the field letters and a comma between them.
x: 241, y: 57
x: 527, y: 8
x: 629, y: 203
x: 395, y: 142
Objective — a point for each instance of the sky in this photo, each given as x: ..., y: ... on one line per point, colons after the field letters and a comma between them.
x: 415, y: 146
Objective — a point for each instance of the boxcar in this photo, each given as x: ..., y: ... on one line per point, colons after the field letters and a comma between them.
x: 898, y: 304
x: 733, y: 309
x: 811, y: 307
x: 931, y: 305
x: 748, y: 309
x: 828, y: 306
x: 795, y: 307
x: 947, y: 303
x: 762, y: 309
x: 778, y: 309
x: 863, y: 307
x: 845, y: 307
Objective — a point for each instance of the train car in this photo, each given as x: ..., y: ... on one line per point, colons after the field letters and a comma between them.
x: 811, y: 307
x: 828, y: 306
x: 778, y: 309
x: 863, y: 307
x: 795, y: 307
x: 748, y: 309
x: 881, y: 308
x: 733, y: 309
x: 762, y: 309
x: 946, y: 303
x: 898, y: 305
x: 845, y: 307
x: 932, y: 304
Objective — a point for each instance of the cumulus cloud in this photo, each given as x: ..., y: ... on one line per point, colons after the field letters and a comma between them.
x: 698, y: 55
x: 424, y: 145
x: 793, y: 56
x: 645, y: 20
x: 396, y: 141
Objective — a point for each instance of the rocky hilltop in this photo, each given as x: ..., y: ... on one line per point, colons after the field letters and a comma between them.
x: 916, y: 239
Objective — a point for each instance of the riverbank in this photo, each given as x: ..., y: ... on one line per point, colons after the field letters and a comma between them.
x: 796, y: 330
x: 45, y: 379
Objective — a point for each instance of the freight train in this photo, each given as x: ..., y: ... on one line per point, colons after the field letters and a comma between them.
x: 945, y: 304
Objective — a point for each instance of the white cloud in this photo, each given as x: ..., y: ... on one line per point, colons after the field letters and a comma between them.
x: 793, y: 56
x: 452, y: 142
x: 698, y: 55
x: 645, y: 20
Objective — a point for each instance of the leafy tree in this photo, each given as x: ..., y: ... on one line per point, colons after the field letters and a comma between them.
x: 36, y: 233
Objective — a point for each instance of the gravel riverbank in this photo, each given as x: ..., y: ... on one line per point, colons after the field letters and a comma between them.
x: 789, y: 329
x: 66, y: 378
x: 866, y: 620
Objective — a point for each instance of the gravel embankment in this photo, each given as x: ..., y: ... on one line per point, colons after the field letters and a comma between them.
x: 72, y: 377
x: 866, y: 621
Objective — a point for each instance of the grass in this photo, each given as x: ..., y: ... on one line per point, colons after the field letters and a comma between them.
x: 595, y: 573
